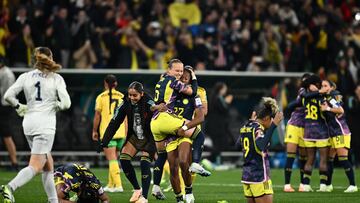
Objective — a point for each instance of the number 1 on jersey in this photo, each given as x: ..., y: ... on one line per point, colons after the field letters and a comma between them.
x: 38, y: 96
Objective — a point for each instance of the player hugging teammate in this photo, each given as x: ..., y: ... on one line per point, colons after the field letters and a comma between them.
x: 324, y: 126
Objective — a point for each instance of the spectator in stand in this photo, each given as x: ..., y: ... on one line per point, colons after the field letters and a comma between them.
x: 353, y: 119
x: 62, y: 36
x: 217, y: 125
x: 7, y: 78
x: 21, y: 48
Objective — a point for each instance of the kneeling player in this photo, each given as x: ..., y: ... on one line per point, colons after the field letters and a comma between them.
x: 256, y: 169
x: 78, y: 179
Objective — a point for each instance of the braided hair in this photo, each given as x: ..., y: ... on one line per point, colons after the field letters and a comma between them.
x: 110, y: 80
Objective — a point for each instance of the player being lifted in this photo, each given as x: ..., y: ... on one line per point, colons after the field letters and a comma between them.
x: 43, y: 89
x: 340, y: 135
x: 137, y: 107
x: 166, y: 91
x: 179, y: 148
x: 254, y: 141
x: 80, y: 180
x: 105, y: 106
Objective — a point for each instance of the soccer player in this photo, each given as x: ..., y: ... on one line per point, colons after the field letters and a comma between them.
x: 315, y: 133
x: 198, y: 143
x: 294, y: 139
x: 137, y: 107
x: 80, y: 180
x: 43, y: 89
x: 179, y: 148
x: 166, y: 91
x: 340, y: 135
x: 254, y: 141
x: 7, y: 78
x: 105, y: 106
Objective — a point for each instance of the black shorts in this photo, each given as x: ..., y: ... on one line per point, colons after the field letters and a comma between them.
x: 5, y: 121
x: 147, y: 145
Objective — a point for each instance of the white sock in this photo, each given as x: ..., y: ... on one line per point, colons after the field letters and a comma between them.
x: 49, y: 186
x: 24, y: 176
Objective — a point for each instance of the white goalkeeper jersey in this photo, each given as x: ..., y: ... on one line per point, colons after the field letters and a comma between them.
x: 45, y: 93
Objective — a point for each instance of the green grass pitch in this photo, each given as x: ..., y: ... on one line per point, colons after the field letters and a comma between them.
x: 222, y: 185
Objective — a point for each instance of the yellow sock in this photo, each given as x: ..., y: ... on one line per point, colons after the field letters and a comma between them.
x: 114, y: 170
x: 193, y: 177
x: 110, y: 180
x: 166, y: 169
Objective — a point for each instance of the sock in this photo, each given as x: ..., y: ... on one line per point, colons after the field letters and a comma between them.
x: 49, y: 186
x: 197, y: 146
x: 188, y: 190
x: 302, y: 162
x: 179, y: 197
x: 330, y: 166
x: 166, y: 172
x: 307, y: 177
x: 158, y: 167
x: 114, y: 170
x: 323, y: 177
x: 348, y: 169
x: 145, y: 175
x: 288, y: 166
x: 129, y: 171
x: 110, y: 180
x: 23, y: 177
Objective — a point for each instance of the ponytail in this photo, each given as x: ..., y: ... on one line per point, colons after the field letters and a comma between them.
x: 110, y: 80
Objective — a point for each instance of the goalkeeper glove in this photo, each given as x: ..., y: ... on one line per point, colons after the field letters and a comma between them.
x: 21, y: 109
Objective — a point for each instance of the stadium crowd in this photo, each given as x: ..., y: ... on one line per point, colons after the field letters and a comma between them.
x: 238, y: 35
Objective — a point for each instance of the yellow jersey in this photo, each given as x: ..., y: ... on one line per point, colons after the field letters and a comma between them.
x: 107, y: 112
x: 202, y: 94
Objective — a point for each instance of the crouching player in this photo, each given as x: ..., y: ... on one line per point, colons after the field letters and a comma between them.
x: 254, y: 142
x: 79, y: 179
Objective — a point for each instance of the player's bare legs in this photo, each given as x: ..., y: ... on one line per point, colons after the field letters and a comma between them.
x: 173, y: 159
x: 250, y: 200
x: 310, y: 151
x: 323, y: 170
x: 264, y: 199
x: 184, y: 160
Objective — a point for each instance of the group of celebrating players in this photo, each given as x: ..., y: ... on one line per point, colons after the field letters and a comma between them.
x: 318, y: 122
x: 167, y: 127
x: 164, y: 128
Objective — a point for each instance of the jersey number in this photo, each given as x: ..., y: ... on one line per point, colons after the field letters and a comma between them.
x: 311, y: 112
x: 38, y: 96
x: 179, y: 111
x: 246, y: 145
x: 157, y: 92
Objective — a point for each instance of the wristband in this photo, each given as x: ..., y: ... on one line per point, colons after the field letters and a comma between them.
x: 185, y: 128
x: 328, y: 108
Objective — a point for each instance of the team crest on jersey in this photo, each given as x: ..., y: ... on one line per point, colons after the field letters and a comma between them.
x: 185, y: 101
